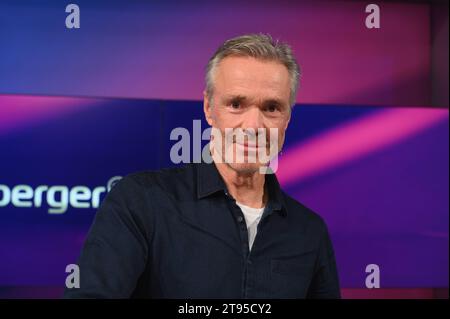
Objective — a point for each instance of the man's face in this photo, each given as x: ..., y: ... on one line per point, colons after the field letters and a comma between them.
x: 249, y: 94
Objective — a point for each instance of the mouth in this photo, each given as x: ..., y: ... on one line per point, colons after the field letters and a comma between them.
x: 250, y: 146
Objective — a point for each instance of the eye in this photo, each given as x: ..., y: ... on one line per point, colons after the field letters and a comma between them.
x: 271, y: 108
x: 235, y: 104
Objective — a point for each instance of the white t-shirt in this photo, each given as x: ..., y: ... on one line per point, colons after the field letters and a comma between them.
x: 252, y: 218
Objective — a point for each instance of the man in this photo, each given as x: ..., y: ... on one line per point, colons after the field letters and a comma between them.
x: 223, y: 229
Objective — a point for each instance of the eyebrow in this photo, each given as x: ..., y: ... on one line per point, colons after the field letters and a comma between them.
x: 273, y: 101
x: 242, y: 98
x: 239, y: 98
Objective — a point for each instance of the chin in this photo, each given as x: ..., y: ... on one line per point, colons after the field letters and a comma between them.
x: 245, y: 168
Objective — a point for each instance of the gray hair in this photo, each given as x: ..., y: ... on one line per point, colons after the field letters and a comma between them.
x: 259, y: 46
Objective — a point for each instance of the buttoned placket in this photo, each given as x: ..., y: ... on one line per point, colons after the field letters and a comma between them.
x: 243, y: 234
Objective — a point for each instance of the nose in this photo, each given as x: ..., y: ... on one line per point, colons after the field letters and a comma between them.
x: 253, y: 119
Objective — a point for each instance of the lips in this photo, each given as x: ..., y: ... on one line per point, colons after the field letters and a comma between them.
x: 249, y: 146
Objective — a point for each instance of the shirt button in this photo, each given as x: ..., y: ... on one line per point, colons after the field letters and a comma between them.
x: 240, y: 219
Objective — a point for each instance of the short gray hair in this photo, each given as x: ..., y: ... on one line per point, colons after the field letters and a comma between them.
x: 259, y: 46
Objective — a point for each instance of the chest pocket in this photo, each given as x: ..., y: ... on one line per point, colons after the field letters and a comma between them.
x: 291, y: 276
x: 300, y: 265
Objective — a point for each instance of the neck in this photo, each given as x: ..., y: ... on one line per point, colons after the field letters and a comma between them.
x: 246, y: 188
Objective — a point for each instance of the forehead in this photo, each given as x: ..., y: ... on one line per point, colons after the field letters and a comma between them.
x: 252, y: 77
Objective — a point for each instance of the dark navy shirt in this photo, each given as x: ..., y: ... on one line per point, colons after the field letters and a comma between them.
x: 178, y: 233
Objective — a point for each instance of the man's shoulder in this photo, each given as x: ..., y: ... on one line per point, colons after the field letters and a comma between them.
x: 172, y: 180
x: 163, y: 175
x: 303, y: 212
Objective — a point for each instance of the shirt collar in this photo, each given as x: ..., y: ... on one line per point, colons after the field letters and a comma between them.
x: 209, y: 181
x: 276, y: 198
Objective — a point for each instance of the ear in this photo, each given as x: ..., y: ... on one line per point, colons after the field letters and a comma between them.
x: 207, y: 109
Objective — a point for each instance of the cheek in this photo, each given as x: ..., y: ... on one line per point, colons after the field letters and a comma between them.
x: 281, y: 140
x: 280, y: 125
x: 281, y: 135
x: 222, y: 120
